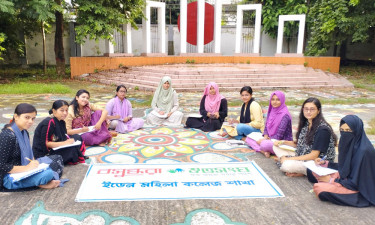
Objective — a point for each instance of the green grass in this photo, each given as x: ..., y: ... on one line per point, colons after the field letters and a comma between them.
x: 362, y: 77
x: 371, y: 129
x: 34, y: 88
x: 15, y: 73
x: 145, y: 104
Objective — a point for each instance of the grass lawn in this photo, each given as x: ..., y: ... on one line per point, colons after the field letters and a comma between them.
x: 34, y: 88
x: 362, y: 77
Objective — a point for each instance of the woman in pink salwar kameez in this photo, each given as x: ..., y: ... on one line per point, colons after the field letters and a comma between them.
x: 82, y: 114
x: 120, y: 113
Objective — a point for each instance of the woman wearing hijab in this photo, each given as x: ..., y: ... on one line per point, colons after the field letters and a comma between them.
x: 213, y: 109
x: 278, y: 125
x: 250, y: 120
x: 315, y: 138
x: 120, y: 113
x: 16, y: 155
x: 354, y: 184
x: 51, y: 133
x: 165, y: 105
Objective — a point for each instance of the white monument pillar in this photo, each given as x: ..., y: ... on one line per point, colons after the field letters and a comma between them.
x: 183, y: 26
x: 217, y: 26
x: 146, y: 27
x: 200, y: 26
x: 239, y: 25
x: 109, y: 48
x: 127, y: 38
x: 301, y: 31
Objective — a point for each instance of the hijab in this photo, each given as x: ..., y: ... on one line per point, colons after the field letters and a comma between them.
x: 212, y: 102
x: 275, y: 115
x: 24, y: 143
x: 164, y: 98
x: 356, y: 159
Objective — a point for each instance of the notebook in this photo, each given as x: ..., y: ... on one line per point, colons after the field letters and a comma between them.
x: 321, y: 171
x: 288, y: 148
x: 91, y: 128
x: 158, y: 115
x: 194, y: 115
x: 20, y: 176
x: 69, y: 145
x: 256, y: 136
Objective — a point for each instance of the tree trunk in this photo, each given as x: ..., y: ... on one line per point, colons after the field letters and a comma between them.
x: 59, y: 46
x: 343, y: 51
x: 44, y: 49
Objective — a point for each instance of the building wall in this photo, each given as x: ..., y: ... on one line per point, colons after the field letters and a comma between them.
x: 34, y: 48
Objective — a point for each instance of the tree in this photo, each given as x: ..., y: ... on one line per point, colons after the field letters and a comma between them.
x: 99, y: 19
x: 6, y: 10
x: 41, y: 12
x: 334, y: 22
x: 270, y: 16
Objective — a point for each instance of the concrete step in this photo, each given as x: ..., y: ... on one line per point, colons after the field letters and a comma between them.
x: 227, y: 76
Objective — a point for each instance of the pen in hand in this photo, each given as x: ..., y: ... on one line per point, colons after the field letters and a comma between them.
x: 323, y: 159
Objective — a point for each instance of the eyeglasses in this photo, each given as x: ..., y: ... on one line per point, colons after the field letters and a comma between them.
x: 346, y: 130
x: 122, y: 91
x: 309, y: 109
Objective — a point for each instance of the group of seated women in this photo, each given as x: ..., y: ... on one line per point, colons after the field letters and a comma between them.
x: 88, y: 124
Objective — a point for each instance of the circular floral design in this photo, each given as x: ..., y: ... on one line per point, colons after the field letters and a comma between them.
x: 163, y: 142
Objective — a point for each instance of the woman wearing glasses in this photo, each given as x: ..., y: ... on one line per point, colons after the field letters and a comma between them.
x: 120, y: 113
x: 315, y: 138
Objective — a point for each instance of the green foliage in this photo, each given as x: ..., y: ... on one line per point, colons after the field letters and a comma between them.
x: 361, y: 76
x: 2, y: 39
x: 6, y: 7
x: 326, y: 19
x: 271, y: 11
x: 33, y: 73
x: 334, y: 21
x: 371, y: 130
x: 26, y: 17
x: 34, y: 88
x: 99, y: 19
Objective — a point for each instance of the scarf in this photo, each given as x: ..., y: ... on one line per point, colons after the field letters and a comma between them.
x: 247, y: 117
x: 212, y: 102
x: 60, y: 130
x: 356, y: 159
x: 120, y: 108
x: 275, y: 115
x: 163, y: 99
x: 83, y: 120
x: 24, y: 143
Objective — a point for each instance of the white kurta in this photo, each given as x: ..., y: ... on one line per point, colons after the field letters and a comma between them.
x: 174, y: 120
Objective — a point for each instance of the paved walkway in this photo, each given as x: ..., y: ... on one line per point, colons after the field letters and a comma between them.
x: 298, y: 207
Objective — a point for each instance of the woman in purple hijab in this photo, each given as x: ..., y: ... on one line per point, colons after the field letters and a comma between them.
x: 120, y: 113
x: 278, y: 125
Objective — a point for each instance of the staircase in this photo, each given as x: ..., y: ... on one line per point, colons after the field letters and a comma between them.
x: 229, y: 77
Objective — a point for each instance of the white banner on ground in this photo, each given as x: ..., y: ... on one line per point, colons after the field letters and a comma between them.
x: 136, y: 182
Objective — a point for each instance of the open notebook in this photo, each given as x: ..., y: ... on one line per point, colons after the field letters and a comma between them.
x: 91, y: 128
x: 65, y: 146
x: 321, y: 171
x: 20, y: 176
